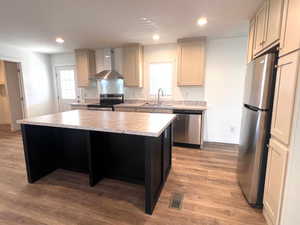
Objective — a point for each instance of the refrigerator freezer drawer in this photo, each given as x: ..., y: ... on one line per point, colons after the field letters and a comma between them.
x: 253, y: 154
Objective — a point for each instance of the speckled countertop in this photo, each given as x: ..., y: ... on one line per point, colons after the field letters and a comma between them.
x: 144, y: 124
x: 171, y: 105
x: 163, y: 106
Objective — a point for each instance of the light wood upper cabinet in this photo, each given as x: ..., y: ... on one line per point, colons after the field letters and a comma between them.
x: 284, y: 100
x: 132, y: 68
x: 274, y: 19
x: 191, y: 61
x: 251, y: 40
x: 267, y: 26
x: 260, y: 27
x: 290, y: 31
x: 275, y: 179
x: 85, y: 66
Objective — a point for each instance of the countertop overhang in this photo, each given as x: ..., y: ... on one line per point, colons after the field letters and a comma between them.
x: 133, y: 123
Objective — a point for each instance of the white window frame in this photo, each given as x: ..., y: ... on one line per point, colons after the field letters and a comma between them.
x: 58, y: 91
x: 172, y: 62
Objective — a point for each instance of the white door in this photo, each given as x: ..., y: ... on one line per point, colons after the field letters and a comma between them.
x: 14, y: 91
x: 67, y: 90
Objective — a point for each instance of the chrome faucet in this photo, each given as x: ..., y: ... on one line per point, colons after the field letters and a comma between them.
x: 160, y: 90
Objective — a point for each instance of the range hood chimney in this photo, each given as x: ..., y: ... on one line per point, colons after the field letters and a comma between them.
x: 111, y: 74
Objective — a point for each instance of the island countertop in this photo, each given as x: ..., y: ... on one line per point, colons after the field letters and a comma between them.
x: 144, y: 124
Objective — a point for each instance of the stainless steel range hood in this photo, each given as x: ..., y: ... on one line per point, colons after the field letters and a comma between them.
x: 109, y: 74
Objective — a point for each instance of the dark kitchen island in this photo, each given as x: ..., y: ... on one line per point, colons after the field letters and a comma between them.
x: 134, y: 147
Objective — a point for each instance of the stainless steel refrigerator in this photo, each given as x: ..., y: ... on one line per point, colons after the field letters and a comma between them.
x: 255, y: 127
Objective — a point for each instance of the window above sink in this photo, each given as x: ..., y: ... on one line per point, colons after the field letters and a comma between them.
x: 160, y: 76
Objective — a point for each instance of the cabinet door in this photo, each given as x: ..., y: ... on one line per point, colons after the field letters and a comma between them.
x: 275, y: 178
x: 82, y: 69
x: 132, y: 66
x: 260, y: 24
x: 191, y: 57
x: 85, y: 66
x: 275, y: 9
x: 290, y: 31
x: 287, y: 74
x: 251, y: 40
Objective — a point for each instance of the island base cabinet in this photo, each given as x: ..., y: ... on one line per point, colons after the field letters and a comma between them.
x: 137, y: 159
x: 47, y: 149
x: 274, y: 184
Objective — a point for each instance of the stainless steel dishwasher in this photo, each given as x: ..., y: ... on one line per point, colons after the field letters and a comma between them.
x: 188, y: 128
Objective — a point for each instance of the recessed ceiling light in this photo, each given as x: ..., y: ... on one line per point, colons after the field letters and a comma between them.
x: 107, y: 56
x: 60, y: 40
x: 202, y: 21
x: 155, y: 37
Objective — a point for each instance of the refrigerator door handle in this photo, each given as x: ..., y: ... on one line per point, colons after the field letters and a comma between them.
x: 253, y: 108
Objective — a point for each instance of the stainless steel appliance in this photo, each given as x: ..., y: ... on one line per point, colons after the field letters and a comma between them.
x: 255, y: 128
x: 107, y: 102
x: 187, y: 128
x: 111, y: 88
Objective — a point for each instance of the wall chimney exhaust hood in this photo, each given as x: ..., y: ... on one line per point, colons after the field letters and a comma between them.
x: 109, y: 74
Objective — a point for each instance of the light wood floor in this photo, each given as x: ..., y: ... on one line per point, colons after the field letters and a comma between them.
x: 207, y: 178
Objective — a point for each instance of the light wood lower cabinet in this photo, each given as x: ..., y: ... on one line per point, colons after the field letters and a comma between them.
x: 290, y: 31
x: 275, y: 179
x: 284, y: 100
x: 81, y: 107
x: 125, y: 109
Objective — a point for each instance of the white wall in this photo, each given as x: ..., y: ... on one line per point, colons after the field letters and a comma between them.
x: 164, y: 53
x: 224, y: 88
x: 37, y: 79
x: 224, y: 84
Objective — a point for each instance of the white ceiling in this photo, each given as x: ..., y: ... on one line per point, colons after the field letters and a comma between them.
x: 34, y: 24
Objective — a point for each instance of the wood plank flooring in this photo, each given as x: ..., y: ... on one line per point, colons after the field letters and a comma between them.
x: 206, y: 178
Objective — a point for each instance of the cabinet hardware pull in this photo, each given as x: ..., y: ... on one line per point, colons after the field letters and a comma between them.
x: 284, y: 64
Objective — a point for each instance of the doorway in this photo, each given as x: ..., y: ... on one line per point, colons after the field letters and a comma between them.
x: 67, y: 91
x: 11, y: 94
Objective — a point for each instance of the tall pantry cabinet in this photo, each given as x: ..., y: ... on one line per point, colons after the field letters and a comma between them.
x: 277, y: 23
